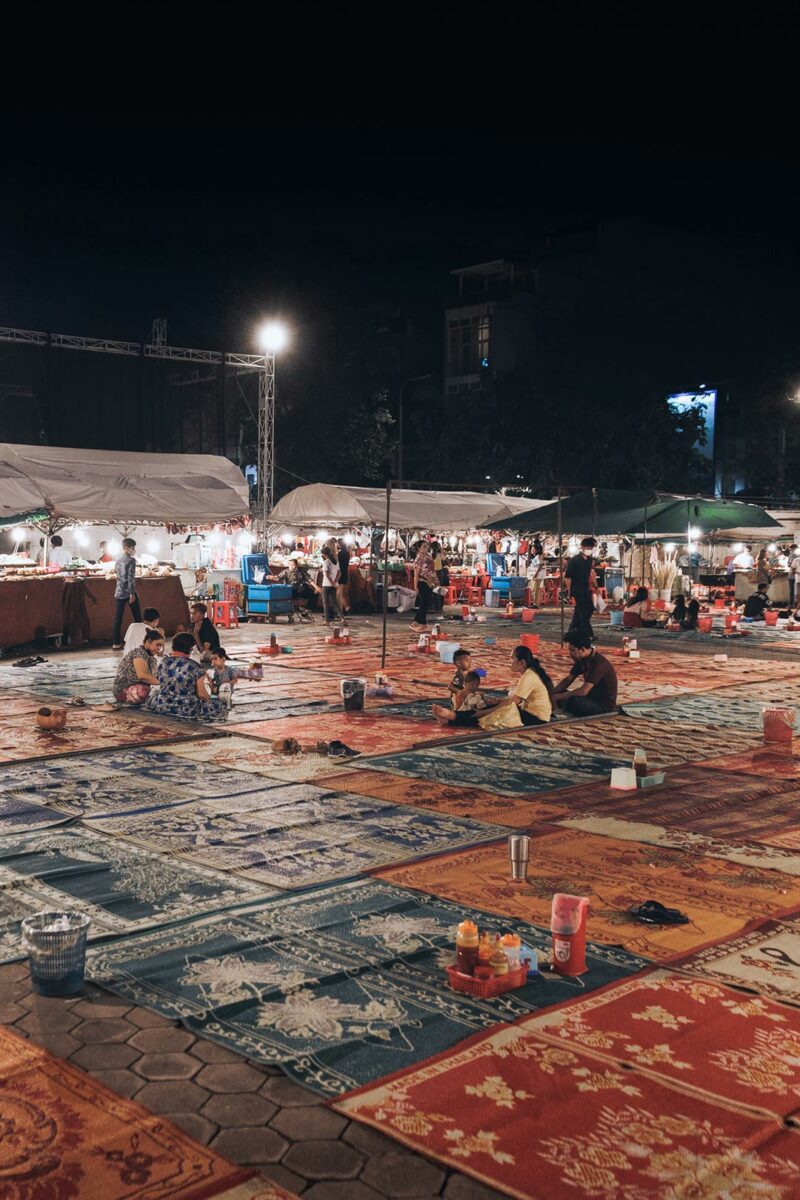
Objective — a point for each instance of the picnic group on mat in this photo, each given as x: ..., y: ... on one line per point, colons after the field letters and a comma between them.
x: 179, y: 684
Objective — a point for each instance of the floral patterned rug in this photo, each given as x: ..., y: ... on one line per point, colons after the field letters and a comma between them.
x: 339, y: 986
x: 765, y: 960
x: 711, y: 1040
x: 66, y: 1136
x: 719, y: 897
x: 122, y: 888
x: 535, y: 1120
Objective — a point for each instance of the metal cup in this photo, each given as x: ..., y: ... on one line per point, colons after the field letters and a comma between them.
x: 519, y: 848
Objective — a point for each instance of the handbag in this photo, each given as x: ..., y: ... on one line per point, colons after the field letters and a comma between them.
x: 505, y: 716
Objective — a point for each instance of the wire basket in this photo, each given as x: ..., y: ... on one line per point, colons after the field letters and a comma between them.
x: 489, y: 987
x: 56, y: 946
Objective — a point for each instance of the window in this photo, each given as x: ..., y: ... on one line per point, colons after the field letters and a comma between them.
x: 468, y: 345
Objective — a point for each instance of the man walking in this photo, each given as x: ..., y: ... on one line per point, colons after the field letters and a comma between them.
x: 579, y: 573
x: 125, y: 591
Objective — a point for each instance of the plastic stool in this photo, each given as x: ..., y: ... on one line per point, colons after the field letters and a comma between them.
x: 225, y: 614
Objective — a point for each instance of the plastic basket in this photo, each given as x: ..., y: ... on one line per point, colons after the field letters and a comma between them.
x: 771, y: 617
x: 56, y: 955
x: 488, y: 987
x: 353, y: 692
x: 531, y: 640
x: 615, y: 616
x: 705, y: 624
x: 446, y: 650
x: 778, y: 724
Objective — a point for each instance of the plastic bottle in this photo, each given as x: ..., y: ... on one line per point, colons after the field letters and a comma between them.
x: 640, y: 762
x: 484, y: 950
x: 512, y: 948
x: 498, y: 961
x: 467, y: 947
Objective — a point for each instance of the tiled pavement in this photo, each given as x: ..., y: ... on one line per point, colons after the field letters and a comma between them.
x: 250, y: 1113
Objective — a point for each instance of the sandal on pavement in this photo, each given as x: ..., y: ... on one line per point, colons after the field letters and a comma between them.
x: 653, y: 913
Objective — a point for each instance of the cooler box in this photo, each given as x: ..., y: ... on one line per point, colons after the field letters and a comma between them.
x: 269, y: 599
x: 250, y: 563
x: 615, y: 577
x: 510, y: 587
x: 493, y: 599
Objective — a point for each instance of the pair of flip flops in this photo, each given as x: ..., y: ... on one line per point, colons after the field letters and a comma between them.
x: 653, y: 913
x: 29, y: 662
x: 336, y: 749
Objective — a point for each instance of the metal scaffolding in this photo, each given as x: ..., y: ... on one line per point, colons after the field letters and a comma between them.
x: 264, y: 364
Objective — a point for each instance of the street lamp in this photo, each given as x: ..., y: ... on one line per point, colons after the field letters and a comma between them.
x: 413, y: 379
x: 272, y: 337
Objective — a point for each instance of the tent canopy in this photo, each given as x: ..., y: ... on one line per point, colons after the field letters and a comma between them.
x: 607, y: 512
x: 324, y: 505
x: 120, y: 486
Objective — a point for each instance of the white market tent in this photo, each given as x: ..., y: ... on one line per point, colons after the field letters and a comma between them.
x: 324, y: 505
x: 120, y: 486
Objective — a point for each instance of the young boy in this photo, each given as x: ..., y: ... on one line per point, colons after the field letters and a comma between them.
x: 467, y: 704
x: 125, y: 592
x: 134, y: 634
x: 462, y: 662
x: 223, y: 676
x: 205, y: 634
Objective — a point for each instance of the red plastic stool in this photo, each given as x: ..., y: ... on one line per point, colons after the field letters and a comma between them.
x: 474, y: 595
x: 452, y: 593
x: 225, y: 614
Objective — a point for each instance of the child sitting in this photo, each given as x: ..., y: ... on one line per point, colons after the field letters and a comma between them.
x: 468, y: 704
x: 462, y: 662
x: 223, y: 676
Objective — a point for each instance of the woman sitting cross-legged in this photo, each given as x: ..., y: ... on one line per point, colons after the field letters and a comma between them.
x: 532, y: 694
x: 637, y: 611
x: 136, y: 673
x: 183, y: 690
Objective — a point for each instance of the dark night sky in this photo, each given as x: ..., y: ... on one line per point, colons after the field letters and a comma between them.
x: 211, y: 219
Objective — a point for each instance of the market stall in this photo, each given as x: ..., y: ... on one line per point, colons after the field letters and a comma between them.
x: 89, y: 496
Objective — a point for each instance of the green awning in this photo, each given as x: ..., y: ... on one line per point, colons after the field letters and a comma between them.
x: 601, y: 511
x: 677, y: 516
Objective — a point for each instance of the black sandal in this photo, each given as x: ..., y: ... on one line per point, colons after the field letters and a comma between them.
x: 653, y: 913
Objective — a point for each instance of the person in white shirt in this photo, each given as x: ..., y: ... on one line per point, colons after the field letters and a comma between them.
x: 794, y: 574
x: 58, y: 556
x: 536, y: 573
x: 330, y: 579
x: 744, y: 561
x: 135, y: 633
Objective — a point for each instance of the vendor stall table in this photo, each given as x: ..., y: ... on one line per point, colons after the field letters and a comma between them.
x: 33, y: 609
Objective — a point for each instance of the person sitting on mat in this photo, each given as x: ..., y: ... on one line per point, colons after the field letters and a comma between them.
x: 692, y: 613
x: 462, y: 661
x: 637, y: 611
x: 183, y: 691
x: 223, y: 676
x: 205, y: 632
x: 468, y: 703
x: 136, y: 673
x: 532, y: 693
x: 756, y: 605
x: 134, y: 634
x: 678, y: 613
x: 598, y: 693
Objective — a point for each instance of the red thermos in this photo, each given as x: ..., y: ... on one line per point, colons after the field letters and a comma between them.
x: 568, y: 927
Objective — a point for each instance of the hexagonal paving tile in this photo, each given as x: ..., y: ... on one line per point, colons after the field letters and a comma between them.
x: 461, y: 1187
x: 145, y: 1018
x: 212, y: 1052
x: 309, y: 1124
x: 371, y: 1142
x: 286, y: 1093
x: 109, y: 1056
x: 230, y: 1077
x: 101, y: 1007
x: 96, y: 1032
x: 124, y: 1083
x: 354, y: 1189
x: 13, y: 973
x: 167, y: 1066
x: 61, y: 1045
x: 178, y: 1096
x: 403, y: 1175
x: 246, y: 1146
x: 59, y: 1020
x: 196, y: 1126
x: 162, y: 1041
x: 11, y: 1012
x: 324, y: 1160
x: 237, y: 1109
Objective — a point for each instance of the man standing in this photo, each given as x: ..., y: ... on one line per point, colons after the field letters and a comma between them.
x: 598, y: 693
x: 744, y: 560
x: 579, y: 573
x: 343, y: 559
x: 125, y: 591
x: 794, y: 575
x: 424, y: 582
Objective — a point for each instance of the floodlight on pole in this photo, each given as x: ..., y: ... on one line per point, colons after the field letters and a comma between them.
x: 272, y: 337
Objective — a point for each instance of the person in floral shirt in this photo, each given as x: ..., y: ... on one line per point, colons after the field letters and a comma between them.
x: 424, y: 582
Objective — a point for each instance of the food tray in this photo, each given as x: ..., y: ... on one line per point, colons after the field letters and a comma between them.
x: 488, y: 987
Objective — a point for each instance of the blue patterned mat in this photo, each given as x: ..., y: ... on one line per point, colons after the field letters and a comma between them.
x: 121, y: 887
x: 719, y: 710
x: 339, y: 986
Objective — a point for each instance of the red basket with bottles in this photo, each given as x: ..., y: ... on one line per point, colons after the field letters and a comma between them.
x: 514, y: 978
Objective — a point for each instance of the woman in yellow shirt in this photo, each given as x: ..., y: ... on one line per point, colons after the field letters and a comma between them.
x: 533, y: 691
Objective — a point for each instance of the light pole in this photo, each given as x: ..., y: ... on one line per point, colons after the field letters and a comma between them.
x: 413, y: 379
x: 272, y: 337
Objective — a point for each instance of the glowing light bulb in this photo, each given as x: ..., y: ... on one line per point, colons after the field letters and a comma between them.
x: 18, y: 534
x: 287, y: 539
x: 152, y: 546
x: 348, y: 539
x: 115, y: 547
x: 322, y: 535
x: 81, y: 538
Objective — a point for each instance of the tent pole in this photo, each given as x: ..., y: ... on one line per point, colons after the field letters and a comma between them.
x: 386, y: 572
x: 560, y: 565
x: 645, y: 558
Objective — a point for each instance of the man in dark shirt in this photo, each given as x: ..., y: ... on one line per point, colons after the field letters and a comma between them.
x: 755, y: 605
x: 343, y: 558
x: 579, y: 573
x: 598, y: 693
x: 205, y: 633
